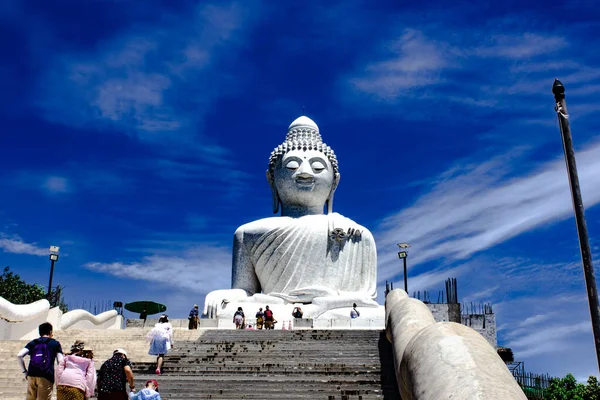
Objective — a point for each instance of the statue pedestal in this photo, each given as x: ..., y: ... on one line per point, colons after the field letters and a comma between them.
x: 370, y: 317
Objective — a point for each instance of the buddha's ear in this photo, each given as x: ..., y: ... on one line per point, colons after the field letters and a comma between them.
x: 336, y: 181
x: 334, y: 185
x: 274, y: 193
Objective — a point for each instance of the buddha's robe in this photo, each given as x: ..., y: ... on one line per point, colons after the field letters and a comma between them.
x: 294, y: 258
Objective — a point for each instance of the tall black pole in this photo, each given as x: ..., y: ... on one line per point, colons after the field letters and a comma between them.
x: 50, y: 283
x: 584, y: 244
x: 405, y: 277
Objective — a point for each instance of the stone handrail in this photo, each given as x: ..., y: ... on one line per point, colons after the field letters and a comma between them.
x: 443, y: 360
x: 22, y: 312
x: 72, y: 317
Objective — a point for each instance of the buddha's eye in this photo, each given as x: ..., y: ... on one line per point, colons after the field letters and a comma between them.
x: 292, y: 165
x: 318, y: 166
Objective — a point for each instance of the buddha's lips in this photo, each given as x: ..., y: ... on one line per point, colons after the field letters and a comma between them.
x: 305, y: 181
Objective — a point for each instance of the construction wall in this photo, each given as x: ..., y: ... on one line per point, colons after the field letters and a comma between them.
x: 445, y: 312
x: 484, y: 324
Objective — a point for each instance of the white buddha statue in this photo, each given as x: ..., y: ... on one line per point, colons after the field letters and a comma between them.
x: 325, y: 261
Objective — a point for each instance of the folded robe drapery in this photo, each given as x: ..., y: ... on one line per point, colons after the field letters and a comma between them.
x: 298, y: 261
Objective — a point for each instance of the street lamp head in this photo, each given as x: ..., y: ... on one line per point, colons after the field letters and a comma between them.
x: 54, y: 249
x: 402, y: 254
x: 557, y: 88
x: 403, y: 245
x: 53, y: 257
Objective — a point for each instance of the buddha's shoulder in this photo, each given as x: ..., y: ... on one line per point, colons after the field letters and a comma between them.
x: 260, y: 226
x: 263, y: 225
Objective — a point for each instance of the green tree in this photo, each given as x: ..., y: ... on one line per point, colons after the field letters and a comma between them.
x: 17, y: 291
x: 567, y: 388
x: 592, y: 390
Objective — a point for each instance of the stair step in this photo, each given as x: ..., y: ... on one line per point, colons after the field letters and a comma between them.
x: 227, y: 364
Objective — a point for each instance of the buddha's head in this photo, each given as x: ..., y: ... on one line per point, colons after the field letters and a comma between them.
x: 303, y: 171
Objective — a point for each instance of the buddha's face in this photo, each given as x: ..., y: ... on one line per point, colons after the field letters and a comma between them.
x: 304, y: 178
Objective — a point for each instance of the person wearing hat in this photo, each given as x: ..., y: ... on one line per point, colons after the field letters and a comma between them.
x: 113, y: 377
x: 75, y: 374
x: 193, y: 318
x: 150, y: 392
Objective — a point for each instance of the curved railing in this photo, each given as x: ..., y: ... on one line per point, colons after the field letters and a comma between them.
x: 443, y: 360
x: 22, y: 312
x: 72, y: 317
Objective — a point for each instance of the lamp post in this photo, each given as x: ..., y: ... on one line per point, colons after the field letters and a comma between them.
x: 403, y: 255
x: 584, y: 243
x: 53, y: 259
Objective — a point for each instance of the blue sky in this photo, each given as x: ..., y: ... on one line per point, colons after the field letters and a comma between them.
x: 137, y: 134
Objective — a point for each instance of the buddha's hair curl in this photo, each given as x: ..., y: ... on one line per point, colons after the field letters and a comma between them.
x: 303, y: 139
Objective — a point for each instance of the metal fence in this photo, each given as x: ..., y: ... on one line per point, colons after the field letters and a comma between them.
x: 534, y: 385
x: 95, y: 307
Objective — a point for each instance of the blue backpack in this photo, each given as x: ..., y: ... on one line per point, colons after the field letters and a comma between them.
x: 41, y: 360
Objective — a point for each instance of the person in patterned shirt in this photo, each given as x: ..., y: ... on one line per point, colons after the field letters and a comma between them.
x: 113, y: 376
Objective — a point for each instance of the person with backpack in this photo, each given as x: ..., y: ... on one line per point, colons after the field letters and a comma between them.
x: 239, y: 319
x: 260, y: 318
x: 193, y: 318
x: 269, y: 319
x: 76, y: 375
x: 43, y: 353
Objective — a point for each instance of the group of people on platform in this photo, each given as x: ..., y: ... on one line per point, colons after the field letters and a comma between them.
x: 264, y: 319
x: 75, y: 375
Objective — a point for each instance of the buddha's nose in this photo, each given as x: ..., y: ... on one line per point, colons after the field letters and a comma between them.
x: 305, y: 171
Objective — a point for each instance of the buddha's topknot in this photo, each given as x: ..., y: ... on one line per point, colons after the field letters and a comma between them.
x: 302, y: 138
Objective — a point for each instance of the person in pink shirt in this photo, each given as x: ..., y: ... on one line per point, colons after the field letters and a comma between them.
x: 76, y: 375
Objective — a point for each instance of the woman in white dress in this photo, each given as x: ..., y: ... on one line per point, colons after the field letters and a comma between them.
x: 161, y: 341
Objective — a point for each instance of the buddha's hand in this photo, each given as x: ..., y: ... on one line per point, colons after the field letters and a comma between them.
x: 322, y: 304
x: 219, y: 298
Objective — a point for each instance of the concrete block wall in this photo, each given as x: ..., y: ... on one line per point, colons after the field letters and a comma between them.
x: 484, y: 324
x: 445, y: 312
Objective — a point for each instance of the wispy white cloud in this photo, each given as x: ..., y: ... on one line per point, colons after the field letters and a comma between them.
x: 56, y: 185
x: 474, y: 207
x: 431, y: 65
x: 150, y: 81
x: 416, y: 61
x: 519, y: 46
x: 15, y: 244
x: 199, y: 269
x: 552, y: 338
x: 76, y: 178
x: 481, y: 296
x: 535, y: 319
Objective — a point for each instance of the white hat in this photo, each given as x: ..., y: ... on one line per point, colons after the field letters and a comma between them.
x: 120, y: 351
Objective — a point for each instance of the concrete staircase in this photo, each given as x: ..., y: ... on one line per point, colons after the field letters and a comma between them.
x: 229, y: 364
